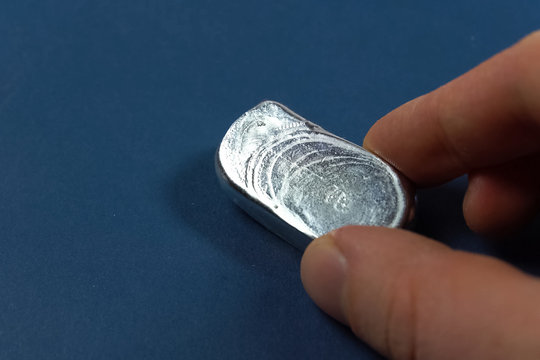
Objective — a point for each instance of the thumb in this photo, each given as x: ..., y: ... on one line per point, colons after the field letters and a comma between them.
x: 410, y: 297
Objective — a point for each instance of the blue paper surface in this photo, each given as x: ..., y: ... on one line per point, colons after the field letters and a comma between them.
x: 115, y: 239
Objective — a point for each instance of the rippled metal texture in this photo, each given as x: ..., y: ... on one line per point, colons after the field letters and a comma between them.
x: 302, y: 181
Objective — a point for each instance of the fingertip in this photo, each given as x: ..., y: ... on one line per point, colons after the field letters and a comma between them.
x: 407, y: 295
x: 377, y: 264
x: 500, y: 200
x: 434, y: 138
x: 409, y: 139
x: 323, y: 273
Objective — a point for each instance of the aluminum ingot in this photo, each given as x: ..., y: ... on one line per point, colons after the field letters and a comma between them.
x: 301, y: 181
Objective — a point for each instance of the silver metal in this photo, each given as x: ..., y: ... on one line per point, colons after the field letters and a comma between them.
x: 301, y: 181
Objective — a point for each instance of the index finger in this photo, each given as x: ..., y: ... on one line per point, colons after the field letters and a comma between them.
x: 487, y: 117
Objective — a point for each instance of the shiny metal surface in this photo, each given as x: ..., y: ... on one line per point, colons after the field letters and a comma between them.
x: 301, y: 181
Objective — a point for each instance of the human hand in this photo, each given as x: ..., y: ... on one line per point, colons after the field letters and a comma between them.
x: 411, y: 297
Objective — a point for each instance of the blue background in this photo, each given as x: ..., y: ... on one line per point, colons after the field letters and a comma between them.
x: 115, y: 239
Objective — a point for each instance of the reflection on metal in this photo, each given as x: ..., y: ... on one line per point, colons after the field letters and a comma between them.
x: 301, y: 181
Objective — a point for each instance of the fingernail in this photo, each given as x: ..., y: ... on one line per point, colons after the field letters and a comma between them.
x: 323, y: 272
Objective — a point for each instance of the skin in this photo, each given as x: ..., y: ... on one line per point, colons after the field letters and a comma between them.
x: 411, y: 297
